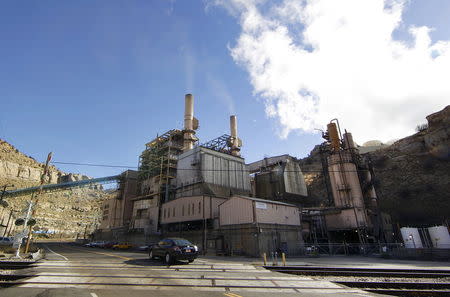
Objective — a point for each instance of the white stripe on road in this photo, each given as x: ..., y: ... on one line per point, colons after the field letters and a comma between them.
x: 65, y: 258
x: 94, y: 295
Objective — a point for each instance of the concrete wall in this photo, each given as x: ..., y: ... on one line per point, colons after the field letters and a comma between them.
x: 108, y: 209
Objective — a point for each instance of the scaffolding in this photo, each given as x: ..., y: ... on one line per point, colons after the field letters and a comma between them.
x: 220, y: 144
x: 158, y: 163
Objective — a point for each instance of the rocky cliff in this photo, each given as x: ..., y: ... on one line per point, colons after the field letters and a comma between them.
x: 71, y: 211
x: 412, y: 176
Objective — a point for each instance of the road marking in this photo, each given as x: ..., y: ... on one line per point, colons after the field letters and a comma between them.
x: 232, y: 295
x: 99, y: 253
x: 56, y: 253
x: 94, y: 295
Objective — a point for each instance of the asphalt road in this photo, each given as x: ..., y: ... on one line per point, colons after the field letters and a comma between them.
x: 70, y: 270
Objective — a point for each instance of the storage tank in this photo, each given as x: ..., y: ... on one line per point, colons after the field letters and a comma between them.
x: 411, y: 238
x: 440, y: 237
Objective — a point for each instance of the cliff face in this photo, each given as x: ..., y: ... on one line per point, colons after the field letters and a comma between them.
x: 412, y: 176
x: 72, y: 211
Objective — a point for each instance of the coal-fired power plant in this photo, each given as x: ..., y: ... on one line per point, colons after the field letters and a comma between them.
x: 206, y: 193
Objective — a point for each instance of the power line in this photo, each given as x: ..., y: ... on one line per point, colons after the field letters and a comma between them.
x: 94, y: 165
x: 212, y: 170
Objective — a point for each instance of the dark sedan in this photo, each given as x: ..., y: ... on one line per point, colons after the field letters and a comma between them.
x: 174, y: 249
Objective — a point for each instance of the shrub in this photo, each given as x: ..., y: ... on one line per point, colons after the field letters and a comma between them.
x: 421, y: 127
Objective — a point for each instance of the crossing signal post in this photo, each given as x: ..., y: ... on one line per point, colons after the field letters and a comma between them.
x: 30, y: 227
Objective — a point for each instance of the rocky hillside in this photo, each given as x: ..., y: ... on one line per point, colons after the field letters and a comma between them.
x: 412, y: 175
x: 70, y: 212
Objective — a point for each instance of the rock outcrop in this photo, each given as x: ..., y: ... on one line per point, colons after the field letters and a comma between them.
x: 73, y: 211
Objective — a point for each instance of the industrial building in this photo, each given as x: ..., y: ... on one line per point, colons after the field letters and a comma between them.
x: 279, y: 178
x: 205, y: 192
x: 117, y: 212
x: 353, y: 215
x: 187, y: 189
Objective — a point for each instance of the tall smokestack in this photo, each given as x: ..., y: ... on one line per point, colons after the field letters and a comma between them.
x: 348, y: 140
x: 334, y: 136
x: 189, y: 123
x: 235, y: 141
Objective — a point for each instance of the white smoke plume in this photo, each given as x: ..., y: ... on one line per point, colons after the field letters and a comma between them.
x: 312, y: 61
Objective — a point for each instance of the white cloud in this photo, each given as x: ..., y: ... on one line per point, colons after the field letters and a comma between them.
x: 312, y: 61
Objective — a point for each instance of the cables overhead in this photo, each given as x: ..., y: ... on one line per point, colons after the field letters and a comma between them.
x: 208, y: 170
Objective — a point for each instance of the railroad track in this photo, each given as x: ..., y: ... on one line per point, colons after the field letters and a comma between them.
x: 395, y: 288
x: 13, y: 265
x: 401, y: 288
x: 367, y: 272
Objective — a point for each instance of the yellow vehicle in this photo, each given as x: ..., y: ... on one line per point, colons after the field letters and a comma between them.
x: 122, y: 246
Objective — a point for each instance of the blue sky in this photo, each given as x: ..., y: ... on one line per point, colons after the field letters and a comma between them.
x: 93, y: 81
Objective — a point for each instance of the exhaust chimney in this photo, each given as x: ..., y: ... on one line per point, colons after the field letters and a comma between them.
x: 236, y: 143
x: 189, y: 123
x: 348, y: 140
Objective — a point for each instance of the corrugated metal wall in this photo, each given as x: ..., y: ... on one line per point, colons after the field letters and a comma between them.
x: 278, y: 214
x: 211, y: 167
x: 236, y: 211
x: 189, y: 209
x: 294, y: 182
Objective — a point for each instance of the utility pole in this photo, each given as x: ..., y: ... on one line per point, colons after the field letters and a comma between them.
x: 30, y: 233
x: 4, y: 191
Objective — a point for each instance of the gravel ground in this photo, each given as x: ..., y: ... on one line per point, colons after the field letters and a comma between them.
x: 382, y: 279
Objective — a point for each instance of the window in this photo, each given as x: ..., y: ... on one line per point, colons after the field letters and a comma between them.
x: 173, y: 212
x: 182, y: 211
x: 189, y: 210
x: 164, y: 213
x: 193, y: 208
x: 199, y: 207
x: 168, y: 212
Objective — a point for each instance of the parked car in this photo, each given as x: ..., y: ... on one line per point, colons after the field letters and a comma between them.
x: 101, y: 244
x: 122, y: 246
x: 94, y: 244
x: 174, y: 249
x: 6, y: 241
x: 143, y: 248
x: 89, y: 244
x: 109, y: 244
